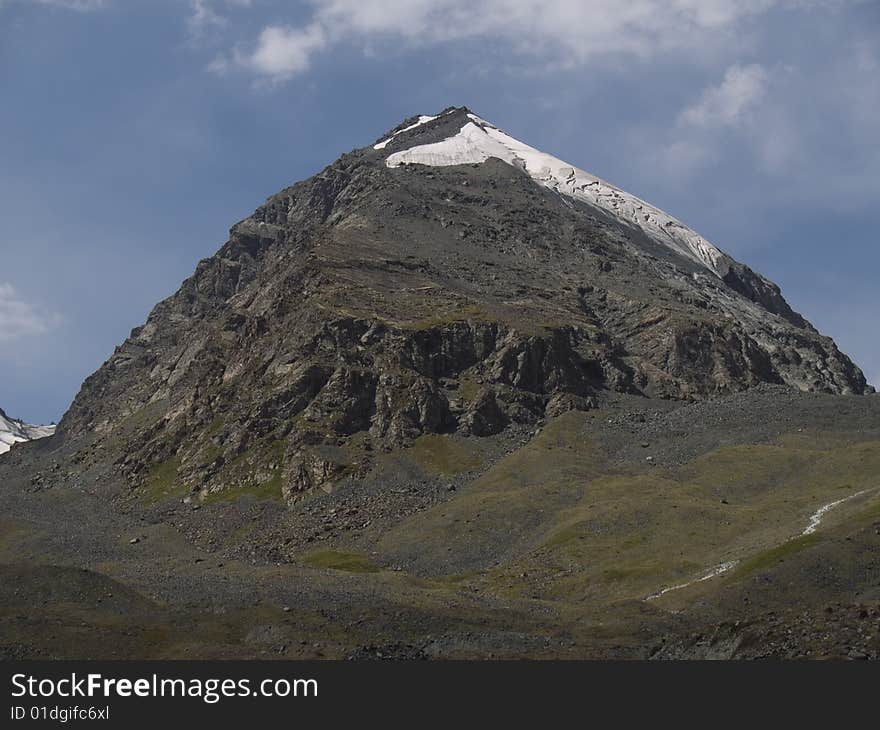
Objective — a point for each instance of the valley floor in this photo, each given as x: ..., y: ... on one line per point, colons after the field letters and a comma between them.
x: 740, y: 528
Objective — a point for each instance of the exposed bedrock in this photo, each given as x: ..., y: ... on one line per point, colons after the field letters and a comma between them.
x: 358, y: 310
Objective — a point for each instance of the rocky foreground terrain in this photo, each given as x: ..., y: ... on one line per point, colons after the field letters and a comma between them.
x: 452, y: 397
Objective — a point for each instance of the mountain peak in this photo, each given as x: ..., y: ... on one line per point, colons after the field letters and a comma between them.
x: 457, y: 136
x: 478, y: 140
x: 490, y: 384
x: 446, y: 279
x: 414, y: 122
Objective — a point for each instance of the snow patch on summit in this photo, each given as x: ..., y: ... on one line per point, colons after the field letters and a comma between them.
x: 423, y: 119
x: 478, y: 140
x: 13, y: 431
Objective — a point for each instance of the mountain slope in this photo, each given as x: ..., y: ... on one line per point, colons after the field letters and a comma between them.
x: 385, y: 298
x: 479, y: 141
x: 14, y: 432
x: 425, y: 405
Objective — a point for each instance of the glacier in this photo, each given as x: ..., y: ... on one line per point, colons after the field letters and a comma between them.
x: 13, y: 431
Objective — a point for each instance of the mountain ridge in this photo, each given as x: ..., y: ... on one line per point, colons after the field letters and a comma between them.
x: 373, y: 303
x: 451, y: 412
x: 482, y: 140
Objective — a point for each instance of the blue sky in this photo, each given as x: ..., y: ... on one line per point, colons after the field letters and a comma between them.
x: 133, y: 133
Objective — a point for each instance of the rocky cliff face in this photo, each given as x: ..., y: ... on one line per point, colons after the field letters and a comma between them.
x: 407, y: 290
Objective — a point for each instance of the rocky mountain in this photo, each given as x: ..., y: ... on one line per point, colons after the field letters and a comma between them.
x: 448, y: 278
x: 13, y: 432
x: 452, y: 397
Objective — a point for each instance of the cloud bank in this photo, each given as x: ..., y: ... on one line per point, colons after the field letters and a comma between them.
x: 18, y: 318
x: 741, y: 89
x: 565, y: 32
x: 80, y: 5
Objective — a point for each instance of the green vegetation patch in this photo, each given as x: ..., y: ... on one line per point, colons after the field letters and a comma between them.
x: 769, y: 558
x: 340, y: 560
x: 215, y: 426
x: 161, y: 483
x: 444, y: 455
x: 145, y: 416
x: 468, y: 388
x: 467, y: 313
x: 868, y: 515
x: 563, y: 536
x: 268, y: 490
x: 456, y: 578
x: 243, y: 473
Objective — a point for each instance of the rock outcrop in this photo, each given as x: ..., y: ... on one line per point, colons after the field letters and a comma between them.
x: 373, y: 303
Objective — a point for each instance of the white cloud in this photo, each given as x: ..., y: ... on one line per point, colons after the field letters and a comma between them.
x: 282, y: 52
x: 202, y: 17
x: 80, y: 5
x: 579, y: 28
x: 205, y: 15
x: 726, y: 113
x: 809, y: 130
x: 728, y: 103
x: 18, y: 318
x: 566, y: 31
x: 684, y: 157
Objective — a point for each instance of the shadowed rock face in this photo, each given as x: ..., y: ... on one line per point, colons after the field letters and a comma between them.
x: 365, y: 306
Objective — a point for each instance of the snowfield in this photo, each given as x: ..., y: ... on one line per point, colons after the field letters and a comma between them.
x: 14, y: 432
x: 478, y: 140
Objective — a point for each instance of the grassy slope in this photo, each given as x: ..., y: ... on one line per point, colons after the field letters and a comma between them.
x: 555, y: 540
x: 557, y: 521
